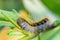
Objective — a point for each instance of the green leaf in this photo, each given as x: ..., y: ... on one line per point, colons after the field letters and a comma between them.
x: 13, y: 33
x: 5, y: 23
x: 4, y: 20
x: 12, y: 18
x: 52, y: 34
x: 12, y: 14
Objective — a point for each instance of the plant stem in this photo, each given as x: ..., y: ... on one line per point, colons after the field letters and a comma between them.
x: 12, y: 21
x: 38, y: 37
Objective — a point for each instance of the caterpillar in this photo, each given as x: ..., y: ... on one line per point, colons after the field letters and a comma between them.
x: 36, y: 27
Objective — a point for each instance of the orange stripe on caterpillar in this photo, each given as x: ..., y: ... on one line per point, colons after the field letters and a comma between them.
x: 34, y: 24
x: 33, y: 28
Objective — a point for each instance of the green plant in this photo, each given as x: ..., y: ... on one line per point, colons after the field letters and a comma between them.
x: 9, y: 18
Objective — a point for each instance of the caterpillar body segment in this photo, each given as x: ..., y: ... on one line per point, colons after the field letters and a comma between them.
x: 36, y: 27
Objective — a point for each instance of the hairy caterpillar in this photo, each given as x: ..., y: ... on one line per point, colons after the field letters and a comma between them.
x: 36, y: 27
x: 38, y: 11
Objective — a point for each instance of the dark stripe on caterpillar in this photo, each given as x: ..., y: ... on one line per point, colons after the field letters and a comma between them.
x: 36, y: 27
x: 34, y: 24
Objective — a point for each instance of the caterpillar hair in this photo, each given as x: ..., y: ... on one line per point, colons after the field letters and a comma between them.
x: 36, y: 27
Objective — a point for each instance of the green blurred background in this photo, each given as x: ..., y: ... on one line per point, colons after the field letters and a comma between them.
x: 11, y: 4
x: 53, y: 5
